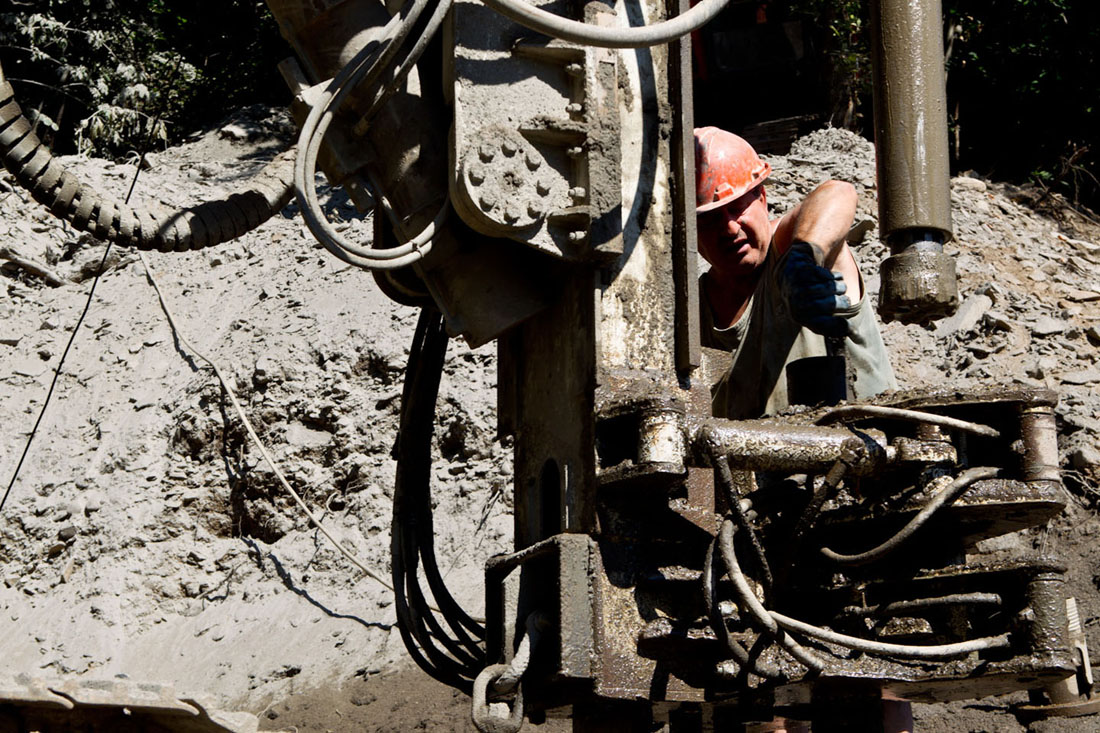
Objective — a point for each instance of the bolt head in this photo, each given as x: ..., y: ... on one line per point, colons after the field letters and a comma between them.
x: 508, y: 148
x: 511, y: 214
x: 486, y: 152
x: 476, y: 174
x: 578, y: 192
x: 577, y: 236
x: 487, y: 201
x: 534, y: 209
x: 532, y: 161
x: 543, y: 187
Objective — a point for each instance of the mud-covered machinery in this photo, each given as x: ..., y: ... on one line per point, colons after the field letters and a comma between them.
x: 531, y: 171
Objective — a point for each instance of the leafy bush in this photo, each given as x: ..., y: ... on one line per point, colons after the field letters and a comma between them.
x: 109, y: 76
x: 1023, y: 84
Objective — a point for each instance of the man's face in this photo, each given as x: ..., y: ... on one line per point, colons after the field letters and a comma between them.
x: 734, y: 238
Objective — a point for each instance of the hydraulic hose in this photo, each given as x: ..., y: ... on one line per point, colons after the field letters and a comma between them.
x: 453, y: 656
x: 366, y: 67
x: 710, y: 599
x: 896, y: 413
x: 574, y: 31
x: 957, y: 487
x: 756, y: 609
x: 777, y: 624
x: 905, y: 651
x: 204, y: 225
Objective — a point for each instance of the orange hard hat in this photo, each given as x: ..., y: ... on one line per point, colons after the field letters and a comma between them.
x: 726, y: 168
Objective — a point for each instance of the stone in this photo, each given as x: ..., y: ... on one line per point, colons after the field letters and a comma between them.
x: 93, y: 501
x: 968, y: 316
x: 1078, y: 295
x: 76, y: 507
x: 999, y: 320
x: 968, y: 183
x: 299, y: 435
x: 234, y: 132
x: 1085, y: 458
x: 1084, y: 376
x: 30, y: 367
x: 1047, y: 326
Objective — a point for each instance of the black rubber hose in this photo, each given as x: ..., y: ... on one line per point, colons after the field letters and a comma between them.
x: 418, y: 416
x: 725, y: 478
x: 461, y: 658
x: 204, y: 225
x: 417, y: 638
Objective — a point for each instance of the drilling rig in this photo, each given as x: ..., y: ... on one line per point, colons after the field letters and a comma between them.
x: 532, y: 172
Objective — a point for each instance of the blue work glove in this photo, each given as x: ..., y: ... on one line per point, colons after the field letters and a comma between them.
x: 813, y: 293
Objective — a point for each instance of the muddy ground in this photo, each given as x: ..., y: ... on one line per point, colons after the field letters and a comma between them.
x: 145, y: 537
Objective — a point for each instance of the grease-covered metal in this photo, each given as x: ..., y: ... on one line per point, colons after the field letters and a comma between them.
x: 765, y: 445
x: 910, y: 102
x: 1039, y: 433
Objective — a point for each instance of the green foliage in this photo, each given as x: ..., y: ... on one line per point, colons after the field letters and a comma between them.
x: 843, y: 27
x: 1023, y: 84
x: 111, y: 76
x: 1023, y: 80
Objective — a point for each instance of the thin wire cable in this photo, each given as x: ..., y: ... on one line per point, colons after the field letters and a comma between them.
x: 87, y: 306
x: 252, y: 432
x: 57, y: 371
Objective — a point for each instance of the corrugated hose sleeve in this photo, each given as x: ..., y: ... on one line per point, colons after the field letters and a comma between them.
x: 204, y: 225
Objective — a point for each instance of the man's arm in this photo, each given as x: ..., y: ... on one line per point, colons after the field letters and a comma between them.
x: 824, y: 218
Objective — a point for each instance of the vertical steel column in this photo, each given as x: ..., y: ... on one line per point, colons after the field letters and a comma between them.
x: 910, y: 102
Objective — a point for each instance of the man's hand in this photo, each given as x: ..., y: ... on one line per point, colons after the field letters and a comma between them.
x: 813, y: 293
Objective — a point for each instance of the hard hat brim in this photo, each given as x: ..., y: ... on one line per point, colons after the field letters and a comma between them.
x: 738, y: 193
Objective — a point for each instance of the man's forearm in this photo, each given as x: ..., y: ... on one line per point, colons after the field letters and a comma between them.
x: 823, y: 219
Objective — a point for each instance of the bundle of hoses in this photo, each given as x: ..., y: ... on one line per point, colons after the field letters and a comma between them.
x: 448, y: 645
x: 88, y: 210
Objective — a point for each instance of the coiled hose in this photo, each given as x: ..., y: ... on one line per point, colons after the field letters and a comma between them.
x: 204, y: 225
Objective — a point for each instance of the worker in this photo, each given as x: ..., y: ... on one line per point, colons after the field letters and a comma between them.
x: 777, y: 291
